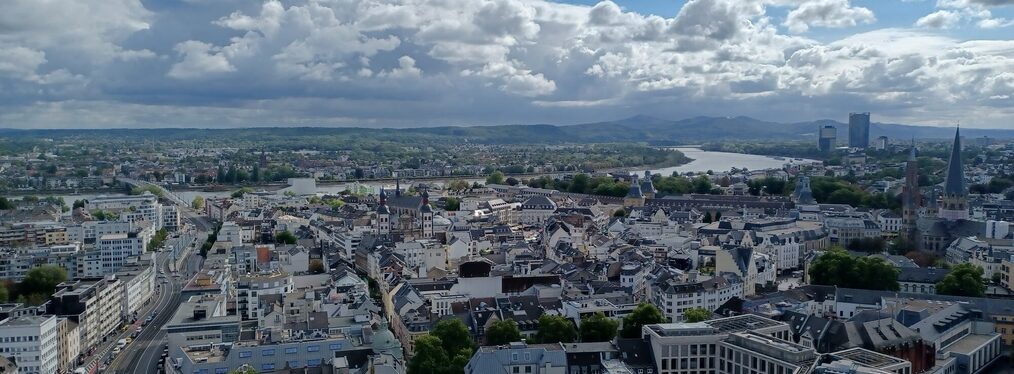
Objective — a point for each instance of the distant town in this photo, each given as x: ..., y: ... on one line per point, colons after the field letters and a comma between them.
x: 848, y: 249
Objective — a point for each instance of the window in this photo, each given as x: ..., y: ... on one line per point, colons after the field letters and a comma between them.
x: 245, y: 354
x: 516, y: 370
x: 268, y: 352
x: 291, y: 350
x: 221, y: 370
x: 294, y: 364
x: 314, y: 362
x: 313, y: 348
x: 335, y: 346
x: 268, y: 366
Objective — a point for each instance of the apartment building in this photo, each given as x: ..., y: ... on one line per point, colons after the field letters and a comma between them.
x: 31, y: 342
x: 94, y: 304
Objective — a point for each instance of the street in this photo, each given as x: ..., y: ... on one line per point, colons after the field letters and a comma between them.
x: 142, y: 355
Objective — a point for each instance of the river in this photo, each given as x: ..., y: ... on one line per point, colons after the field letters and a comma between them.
x: 702, y: 162
x: 724, y: 161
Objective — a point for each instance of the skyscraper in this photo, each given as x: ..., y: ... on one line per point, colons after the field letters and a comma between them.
x: 828, y: 138
x: 859, y: 130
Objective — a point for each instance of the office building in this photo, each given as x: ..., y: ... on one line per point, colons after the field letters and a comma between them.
x: 828, y: 138
x: 30, y: 342
x: 859, y: 130
x: 93, y: 304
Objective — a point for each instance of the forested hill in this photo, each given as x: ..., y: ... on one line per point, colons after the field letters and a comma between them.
x: 634, y: 129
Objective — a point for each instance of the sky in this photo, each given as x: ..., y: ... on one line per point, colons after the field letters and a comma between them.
x: 409, y: 63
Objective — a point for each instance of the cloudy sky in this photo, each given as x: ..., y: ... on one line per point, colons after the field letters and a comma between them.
x: 235, y: 63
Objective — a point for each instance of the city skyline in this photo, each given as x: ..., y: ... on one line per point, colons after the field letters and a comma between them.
x: 250, y: 63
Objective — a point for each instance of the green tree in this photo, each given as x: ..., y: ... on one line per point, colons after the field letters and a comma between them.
x: 643, y: 314
x: 198, y: 203
x: 702, y: 185
x: 839, y: 268
x: 240, y: 192
x: 5, y: 295
x: 255, y: 174
x: 452, y: 204
x: 503, y: 332
x: 697, y: 315
x: 5, y: 204
x: 598, y: 328
x: 43, y: 280
x: 429, y: 356
x: 454, y: 335
x: 496, y: 177
x: 458, y: 185
x: 554, y: 329
x: 285, y: 237
x: 963, y: 280
x: 79, y: 204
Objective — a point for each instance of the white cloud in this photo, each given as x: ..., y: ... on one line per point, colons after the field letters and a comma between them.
x: 199, y: 60
x: 465, y: 61
x: 941, y: 19
x: 827, y: 13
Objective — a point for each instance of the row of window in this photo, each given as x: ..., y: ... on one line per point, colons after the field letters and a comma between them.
x: 290, y: 350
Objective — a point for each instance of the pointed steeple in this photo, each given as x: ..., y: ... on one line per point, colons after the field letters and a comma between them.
x: 955, y: 184
x: 911, y: 151
x: 397, y: 187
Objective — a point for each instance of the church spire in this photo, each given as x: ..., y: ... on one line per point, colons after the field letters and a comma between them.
x: 955, y: 184
x: 955, y: 200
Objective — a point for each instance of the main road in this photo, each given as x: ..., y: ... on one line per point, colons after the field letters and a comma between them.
x: 142, y: 355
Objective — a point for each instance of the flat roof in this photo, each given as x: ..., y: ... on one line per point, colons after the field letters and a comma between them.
x: 969, y: 343
x: 869, y: 358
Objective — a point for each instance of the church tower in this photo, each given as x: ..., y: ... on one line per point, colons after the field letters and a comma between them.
x: 647, y: 187
x: 383, y: 225
x: 426, y: 211
x: 955, y: 199
x: 910, y: 197
x: 634, y: 196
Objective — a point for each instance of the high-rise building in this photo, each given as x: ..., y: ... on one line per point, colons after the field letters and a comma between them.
x: 859, y: 130
x: 828, y: 138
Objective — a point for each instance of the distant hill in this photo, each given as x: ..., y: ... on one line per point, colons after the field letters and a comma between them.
x: 633, y: 129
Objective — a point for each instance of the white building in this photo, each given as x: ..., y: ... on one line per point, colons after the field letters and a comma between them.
x: 536, y: 210
x: 31, y: 342
x: 115, y: 249
x: 675, y: 297
x: 94, y: 304
x: 250, y: 287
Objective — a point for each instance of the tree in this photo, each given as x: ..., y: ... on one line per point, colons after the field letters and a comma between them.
x: 245, y: 369
x: 454, y: 335
x: 697, y: 315
x: 620, y: 213
x: 839, y: 268
x: 643, y: 314
x: 598, y: 328
x: 285, y: 237
x: 429, y: 356
x: 452, y: 204
x: 240, y: 192
x: 555, y: 329
x: 4, y: 293
x: 316, y: 266
x: 457, y: 185
x: 702, y: 185
x: 198, y: 203
x: 496, y: 177
x: 512, y: 181
x: 503, y: 332
x: 43, y: 280
x: 79, y: 204
x: 5, y: 204
x: 221, y: 175
x: 963, y: 280
x: 871, y: 245
x: 255, y: 174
